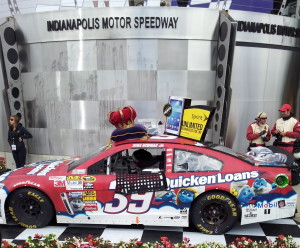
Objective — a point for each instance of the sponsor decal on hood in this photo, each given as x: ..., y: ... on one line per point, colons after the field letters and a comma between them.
x: 43, y: 169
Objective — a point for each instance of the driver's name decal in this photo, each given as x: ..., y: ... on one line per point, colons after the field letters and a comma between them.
x: 148, y: 145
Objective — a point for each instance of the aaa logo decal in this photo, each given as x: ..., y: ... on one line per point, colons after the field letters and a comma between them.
x: 73, y: 178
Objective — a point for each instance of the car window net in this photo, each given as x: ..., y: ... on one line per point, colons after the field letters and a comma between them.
x: 140, y: 183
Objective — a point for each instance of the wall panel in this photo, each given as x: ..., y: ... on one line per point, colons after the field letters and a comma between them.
x: 72, y: 79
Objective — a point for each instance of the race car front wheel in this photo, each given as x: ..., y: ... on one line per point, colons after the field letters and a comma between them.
x: 30, y: 208
x: 214, y: 212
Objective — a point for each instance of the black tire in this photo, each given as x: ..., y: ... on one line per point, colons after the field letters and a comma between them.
x: 30, y: 208
x: 214, y: 212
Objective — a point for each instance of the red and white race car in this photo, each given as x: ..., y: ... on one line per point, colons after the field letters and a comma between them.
x: 162, y: 180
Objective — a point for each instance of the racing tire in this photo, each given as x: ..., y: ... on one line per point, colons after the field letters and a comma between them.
x: 214, y: 212
x: 30, y: 208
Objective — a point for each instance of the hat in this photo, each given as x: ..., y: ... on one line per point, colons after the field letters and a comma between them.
x: 285, y: 107
x: 122, y: 118
x: 261, y: 115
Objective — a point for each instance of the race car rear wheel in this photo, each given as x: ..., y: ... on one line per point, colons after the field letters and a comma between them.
x: 214, y: 212
x: 30, y: 208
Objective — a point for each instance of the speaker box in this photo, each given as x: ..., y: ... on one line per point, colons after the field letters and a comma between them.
x: 136, y: 2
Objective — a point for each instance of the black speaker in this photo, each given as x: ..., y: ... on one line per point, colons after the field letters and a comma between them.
x: 136, y: 2
x: 225, y: 48
x: 12, y: 67
x: 182, y: 3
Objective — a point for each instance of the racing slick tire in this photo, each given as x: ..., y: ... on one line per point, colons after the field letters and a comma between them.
x: 214, y: 212
x: 30, y: 208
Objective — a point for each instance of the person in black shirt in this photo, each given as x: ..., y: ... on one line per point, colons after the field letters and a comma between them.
x: 16, y: 135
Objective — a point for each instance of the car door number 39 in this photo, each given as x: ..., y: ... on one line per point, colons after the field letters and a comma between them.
x: 135, y: 203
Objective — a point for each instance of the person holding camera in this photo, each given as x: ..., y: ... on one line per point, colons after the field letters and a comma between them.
x: 286, y: 129
x: 258, y: 132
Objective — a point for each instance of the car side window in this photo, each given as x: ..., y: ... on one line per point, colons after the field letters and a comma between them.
x: 120, y: 163
x: 98, y: 168
x: 188, y: 161
x: 135, y: 161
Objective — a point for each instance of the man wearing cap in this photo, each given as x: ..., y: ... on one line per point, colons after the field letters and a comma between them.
x: 286, y: 129
x: 258, y: 132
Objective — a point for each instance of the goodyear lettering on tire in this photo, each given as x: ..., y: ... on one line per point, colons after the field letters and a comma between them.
x: 202, y: 228
x: 12, y: 214
x: 27, y: 226
x: 40, y: 199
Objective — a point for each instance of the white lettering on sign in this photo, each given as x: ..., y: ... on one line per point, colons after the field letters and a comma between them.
x: 147, y: 145
x: 36, y: 169
x: 137, y: 145
x: 27, y: 183
x: 48, y: 168
x: 192, y: 181
x: 43, y: 169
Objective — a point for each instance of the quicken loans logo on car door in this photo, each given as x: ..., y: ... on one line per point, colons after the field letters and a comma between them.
x: 193, y: 180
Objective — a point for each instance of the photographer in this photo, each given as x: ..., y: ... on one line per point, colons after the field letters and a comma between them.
x: 286, y: 129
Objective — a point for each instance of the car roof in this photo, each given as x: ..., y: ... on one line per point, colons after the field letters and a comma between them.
x: 171, y: 139
x: 158, y: 139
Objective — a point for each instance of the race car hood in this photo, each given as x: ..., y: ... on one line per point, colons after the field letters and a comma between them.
x: 42, y: 168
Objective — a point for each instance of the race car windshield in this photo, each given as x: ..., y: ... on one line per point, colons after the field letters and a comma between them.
x: 232, y: 152
x: 73, y: 164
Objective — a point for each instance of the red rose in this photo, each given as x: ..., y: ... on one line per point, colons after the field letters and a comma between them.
x: 186, y: 240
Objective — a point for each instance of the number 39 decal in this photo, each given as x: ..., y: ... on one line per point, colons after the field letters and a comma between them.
x: 134, y: 204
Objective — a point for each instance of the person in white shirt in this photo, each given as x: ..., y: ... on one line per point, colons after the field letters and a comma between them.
x: 258, y: 132
x: 286, y: 129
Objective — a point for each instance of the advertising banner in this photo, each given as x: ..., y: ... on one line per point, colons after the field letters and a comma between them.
x: 177, y: 104
x: 194, y: 122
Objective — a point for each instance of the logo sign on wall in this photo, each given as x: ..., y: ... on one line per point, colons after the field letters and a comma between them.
x: 195, y: 121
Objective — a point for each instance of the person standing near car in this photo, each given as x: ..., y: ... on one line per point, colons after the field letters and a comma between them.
x: 16, y: 135
x: 258, y: 132
x: 286, y: 129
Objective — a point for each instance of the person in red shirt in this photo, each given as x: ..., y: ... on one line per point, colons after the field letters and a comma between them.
x: 258, y: 132
x: 286, y: 129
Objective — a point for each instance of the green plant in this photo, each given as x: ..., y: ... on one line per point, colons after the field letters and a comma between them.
x: 49, y: 241
x: 280, y: 242
x: 2, y: 165
x: 284, y: 242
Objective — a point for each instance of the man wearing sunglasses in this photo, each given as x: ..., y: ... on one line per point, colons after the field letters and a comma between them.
x: 258, y: 132
x: 286, y: 129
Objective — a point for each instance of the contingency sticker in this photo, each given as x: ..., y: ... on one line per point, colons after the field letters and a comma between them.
x: 74, y: 185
